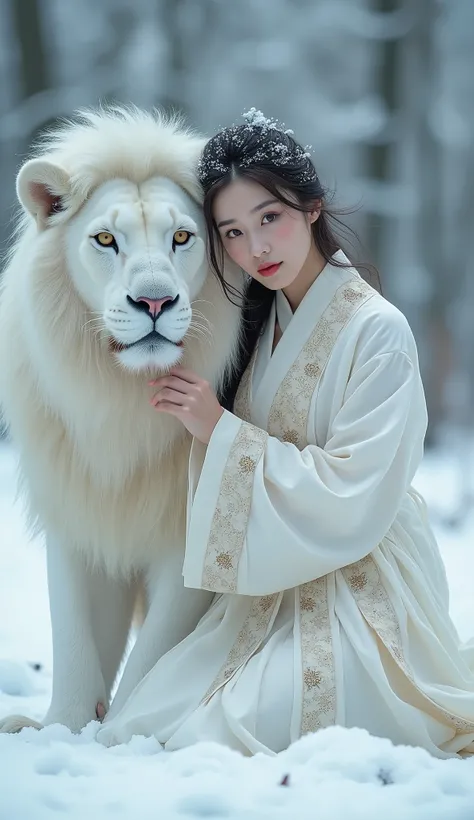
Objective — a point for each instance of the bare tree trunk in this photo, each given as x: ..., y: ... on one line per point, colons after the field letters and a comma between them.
x: 173, y: 12
x: 379, y: 156
x: 415, y: 42
x: 462, y: 298
x: 34, y: 74
x: 188, y: 25
x: 121, y: 22
x: 431, y: 244
x: 33, y: 65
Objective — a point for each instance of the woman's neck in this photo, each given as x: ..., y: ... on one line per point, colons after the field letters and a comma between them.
x: 310, y: 271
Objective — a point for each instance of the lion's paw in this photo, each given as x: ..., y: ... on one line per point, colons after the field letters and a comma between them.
x: 107, y: 736
x: 15, y: 723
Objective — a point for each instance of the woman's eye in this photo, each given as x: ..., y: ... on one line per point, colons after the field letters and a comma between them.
x: 181, y: 237
x: 233, y: 233
x: 105, y: 239
x: 269, y: 218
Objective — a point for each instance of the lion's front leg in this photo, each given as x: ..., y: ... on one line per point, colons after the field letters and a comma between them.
x: 173, y: 613
x: 90, y: 615
x: 90, y: 619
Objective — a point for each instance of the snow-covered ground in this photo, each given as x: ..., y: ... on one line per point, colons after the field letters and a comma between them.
x: 334, y: 775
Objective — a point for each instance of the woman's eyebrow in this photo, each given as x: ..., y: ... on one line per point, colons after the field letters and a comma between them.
x: 263, y: 205
x: 257, y: 208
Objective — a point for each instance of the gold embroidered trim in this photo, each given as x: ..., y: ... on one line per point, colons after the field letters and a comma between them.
x: 288, y: 418
x: 253, y: 632
x: 229, y: 523
x: 373, y: 601
x: 319, y: 688
x: 288, y: 421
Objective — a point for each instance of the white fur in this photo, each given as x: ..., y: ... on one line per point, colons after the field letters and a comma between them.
x: 104, y: 473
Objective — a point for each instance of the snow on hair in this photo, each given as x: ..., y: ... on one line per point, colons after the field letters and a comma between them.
x: 258, y: 141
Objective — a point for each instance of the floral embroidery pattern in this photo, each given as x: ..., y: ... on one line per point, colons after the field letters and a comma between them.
x: 288, y: 416
x: 312, y: 370
x: 254, y: 630
x: 229, y: 523
x: 247, y: 464
x: 374, y: 603
x: 291, y: 436
x: 319, y: 687
x: 224, y: 560
x: 312, y: 678
x: 358, y: 581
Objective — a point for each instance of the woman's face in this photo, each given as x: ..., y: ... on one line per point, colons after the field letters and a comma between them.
x: 266, y: 238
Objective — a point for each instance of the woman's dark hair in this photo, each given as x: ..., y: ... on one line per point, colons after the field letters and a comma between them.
x: 260, y: 151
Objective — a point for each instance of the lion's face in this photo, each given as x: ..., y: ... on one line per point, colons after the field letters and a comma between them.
x: 137, y: 258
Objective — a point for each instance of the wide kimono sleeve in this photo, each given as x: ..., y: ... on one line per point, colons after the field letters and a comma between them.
x: 264, y: 516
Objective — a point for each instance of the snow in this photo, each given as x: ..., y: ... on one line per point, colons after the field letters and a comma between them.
x: 337, y: 774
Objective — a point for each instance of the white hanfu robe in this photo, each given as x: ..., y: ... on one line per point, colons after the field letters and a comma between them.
x: 332, y: 599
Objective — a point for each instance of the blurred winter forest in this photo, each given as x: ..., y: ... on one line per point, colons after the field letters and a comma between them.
x: 381, y: 89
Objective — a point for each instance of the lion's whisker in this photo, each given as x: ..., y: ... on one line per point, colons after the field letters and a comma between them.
x: 197, y: 314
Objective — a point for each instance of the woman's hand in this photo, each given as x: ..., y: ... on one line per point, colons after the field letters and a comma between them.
x: 189, y: 398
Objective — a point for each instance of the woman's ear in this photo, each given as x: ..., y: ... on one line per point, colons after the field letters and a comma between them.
x: 314, y: 214
x: 41, y: 186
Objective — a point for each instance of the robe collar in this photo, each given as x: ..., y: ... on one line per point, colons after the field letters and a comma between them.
x: 284, y: 313
x: 296, y: 329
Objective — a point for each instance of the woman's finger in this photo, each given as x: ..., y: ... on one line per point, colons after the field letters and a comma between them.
x: 187, y: 375
x: 168, y: 407
x: 169, y: 395
x: 174, y: 382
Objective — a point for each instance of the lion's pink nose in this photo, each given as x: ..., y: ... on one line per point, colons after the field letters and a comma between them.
x: 155, y: 305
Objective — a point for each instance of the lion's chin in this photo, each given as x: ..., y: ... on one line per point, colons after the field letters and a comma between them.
x: 147, y: 358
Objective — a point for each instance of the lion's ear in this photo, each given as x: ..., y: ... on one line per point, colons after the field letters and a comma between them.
x: 41, y: 187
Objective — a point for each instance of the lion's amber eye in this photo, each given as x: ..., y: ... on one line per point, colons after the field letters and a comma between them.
x: 104, y: 238
x: 181, y: 237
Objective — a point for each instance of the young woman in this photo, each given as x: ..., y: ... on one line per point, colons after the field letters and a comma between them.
x: 332, y: 601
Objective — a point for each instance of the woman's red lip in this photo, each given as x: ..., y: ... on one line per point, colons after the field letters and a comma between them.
x: 269, y: 270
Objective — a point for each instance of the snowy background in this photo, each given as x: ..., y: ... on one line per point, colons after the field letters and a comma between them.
x: 382, y: 89
x: 384, y: 92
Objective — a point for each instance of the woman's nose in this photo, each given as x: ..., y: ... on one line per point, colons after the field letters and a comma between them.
x: 259, y: 248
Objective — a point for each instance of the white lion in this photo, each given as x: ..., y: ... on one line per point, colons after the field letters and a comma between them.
x: 108, y: 285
